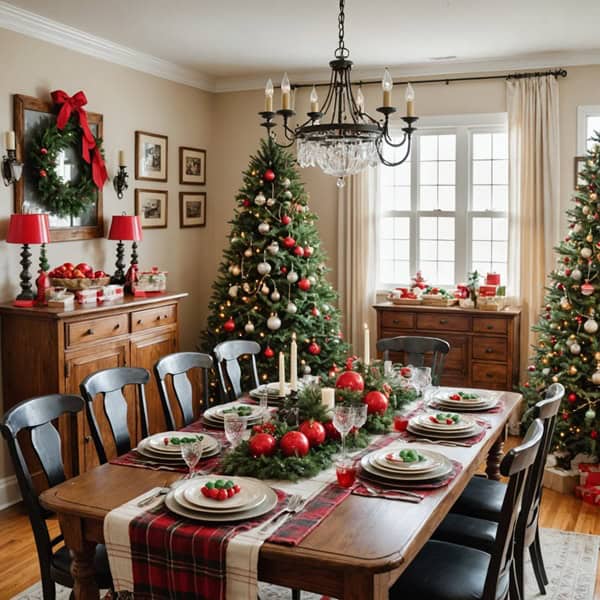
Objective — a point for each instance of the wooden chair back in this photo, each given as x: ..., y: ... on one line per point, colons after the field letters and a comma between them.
x: 177, y: 366
x: 515, y: 465
x: 110, y: 383
x: 36, y: 416
x: 227, y: 355
x: 415, y: 348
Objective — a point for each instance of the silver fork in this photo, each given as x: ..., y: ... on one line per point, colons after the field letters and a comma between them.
x: 163, y: 491
x: 295, y: 503
x: 380, y: 492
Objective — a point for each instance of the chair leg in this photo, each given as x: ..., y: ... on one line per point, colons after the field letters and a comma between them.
x: 538, y: 551
x: 513, y: 588
x: 296, y: 594
x: 48, y: 588
x: 536, y: 569
x: 517, y: 571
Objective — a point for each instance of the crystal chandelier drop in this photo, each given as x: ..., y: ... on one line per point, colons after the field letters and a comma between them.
x: 340, y: 137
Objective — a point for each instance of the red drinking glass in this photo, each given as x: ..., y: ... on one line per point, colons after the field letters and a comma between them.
x: 345, y: 471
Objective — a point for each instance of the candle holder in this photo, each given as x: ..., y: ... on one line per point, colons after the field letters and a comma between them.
x: 120, y: 181
x: 12, y: 169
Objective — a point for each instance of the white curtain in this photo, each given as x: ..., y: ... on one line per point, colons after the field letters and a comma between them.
x: 534, y: 162
x: 357, y: 257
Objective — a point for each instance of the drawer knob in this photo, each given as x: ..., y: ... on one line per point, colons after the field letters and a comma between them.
x: 443, y: 321
x: 87, y: 439
x: 90, y: 331
x: 166, y: 316
x: 139, y: 322
x: 117, y: 326
x: 489, y: 326
x: 489, y: 375
x: 158, y: 317
x: 489, y: 350
x: 396, y: 321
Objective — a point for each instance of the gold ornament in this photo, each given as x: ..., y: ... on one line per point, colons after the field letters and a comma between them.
x: 572, y: 370
x: 554, y: 379
x: 589, y: 238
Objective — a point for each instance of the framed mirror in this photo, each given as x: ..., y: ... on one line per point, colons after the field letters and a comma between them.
x: 32, y: 115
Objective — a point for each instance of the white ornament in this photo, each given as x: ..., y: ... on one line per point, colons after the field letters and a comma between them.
x: 260, y: 199
x: 264, y: 268
x: 590, y: 326
x: 248, y: 252
x: 264, y: 289
x: 264, y: 228
x: 575, y: 348
x: 235, y: 270
x: 273, y: 248
x: 576, y: 274
x: 270, y: 201
x: 275, y: 296
x: 292, y: 276
x: 578, y: 228
x: 249, y: 327
x: 274, y: 322
x: 585, y: 210
x: 246, y: 287
x: 286, y: 183
x: 291, y: 308
x: 312, y: 279
x: 233, y: 291
x: 586, y: 252
x: 235, y: 239
x: 307, y: 370
x: 546, y: 371
x: 287, y: 194
x: 596, y: 378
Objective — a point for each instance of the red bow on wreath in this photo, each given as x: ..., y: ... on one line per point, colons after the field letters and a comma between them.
x: 76, y: 103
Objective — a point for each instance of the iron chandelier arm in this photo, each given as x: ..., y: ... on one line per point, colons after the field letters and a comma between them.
x: 389, y: 163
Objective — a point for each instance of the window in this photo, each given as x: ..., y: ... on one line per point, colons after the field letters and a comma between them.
x: 588, y: 123
x: 445, y: 210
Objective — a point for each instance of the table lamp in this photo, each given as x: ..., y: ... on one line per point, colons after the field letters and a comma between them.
x: 27, y: 229
x: 128, y: 228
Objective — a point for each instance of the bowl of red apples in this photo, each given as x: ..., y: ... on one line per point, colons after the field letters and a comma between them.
x: 77, y: 277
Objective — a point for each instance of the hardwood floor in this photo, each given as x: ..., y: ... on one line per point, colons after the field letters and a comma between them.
x: 20, y: 567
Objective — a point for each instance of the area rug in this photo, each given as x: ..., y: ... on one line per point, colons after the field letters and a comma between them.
x: 571, y: 561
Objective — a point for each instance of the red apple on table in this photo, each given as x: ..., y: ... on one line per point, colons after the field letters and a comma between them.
x: 78, y: 274
x: 99, y: 274
x: 67, y: 274
x: 85, y: 269
x: 68, y: 266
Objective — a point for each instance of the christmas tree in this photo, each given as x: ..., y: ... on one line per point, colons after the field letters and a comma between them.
x: 271, y: 280
x: 568, y: 349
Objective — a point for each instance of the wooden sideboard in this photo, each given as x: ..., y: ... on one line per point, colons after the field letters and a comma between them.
x: 484, y: 345
x: 50, y: 350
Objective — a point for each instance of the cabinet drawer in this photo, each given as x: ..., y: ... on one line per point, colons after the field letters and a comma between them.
x: 490, y: 348
x: 489, y: 325
x: 397, y: 320
x: 93, y: 330
x: 443, y: 322
x: 153, y: 317
x: 489, y: 375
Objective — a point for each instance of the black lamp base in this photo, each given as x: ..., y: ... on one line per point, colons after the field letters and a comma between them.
x: 26, y: 294
x: 118, y: 276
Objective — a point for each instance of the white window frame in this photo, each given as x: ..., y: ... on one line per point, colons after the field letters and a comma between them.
x: 583, y: 112
x: 462, y: 126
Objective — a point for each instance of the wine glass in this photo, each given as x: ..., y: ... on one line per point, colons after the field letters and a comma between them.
x: 420, y: 378
x: 360, y: 415
x: 191, y: 453
x: 264, y: 405
x: 343, y: 421
x: 235, y: 427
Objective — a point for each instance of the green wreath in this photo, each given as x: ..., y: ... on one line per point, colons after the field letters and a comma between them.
x: 62, y: 198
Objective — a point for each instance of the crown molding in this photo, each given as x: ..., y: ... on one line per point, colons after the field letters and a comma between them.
x: 35, y: 26
x: 546, y: 60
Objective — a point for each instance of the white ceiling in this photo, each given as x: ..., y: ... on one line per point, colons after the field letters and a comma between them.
x: 241, y: 39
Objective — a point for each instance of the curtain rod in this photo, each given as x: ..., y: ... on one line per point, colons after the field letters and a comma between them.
x: 555, y: 72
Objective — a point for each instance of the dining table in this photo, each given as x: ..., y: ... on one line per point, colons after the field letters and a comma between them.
x: 356, y: 553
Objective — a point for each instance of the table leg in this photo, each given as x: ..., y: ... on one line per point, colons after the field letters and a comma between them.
x: 495, y: 457
x: 366, y: 586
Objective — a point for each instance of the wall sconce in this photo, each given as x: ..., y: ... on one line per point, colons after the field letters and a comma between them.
x: 12, y: 169
x: 120, y: 179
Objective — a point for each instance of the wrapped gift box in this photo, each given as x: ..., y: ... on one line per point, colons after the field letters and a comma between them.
x: 590, y: 495
x: 560, y: 480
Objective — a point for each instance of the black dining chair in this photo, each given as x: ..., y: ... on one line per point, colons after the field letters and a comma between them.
x: 110, y: 383
x: 449, y: 571
x: 473, y: 520
x: 35, y: 416
x: 415, y: 348
x: 228, y: 355
x: 177, y: 367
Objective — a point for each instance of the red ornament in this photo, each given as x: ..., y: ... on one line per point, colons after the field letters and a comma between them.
x: 377, y: 402
x: 567, y: 239
x: 314, y: 349
x: 315, y: 311
x: 299, y: 251
x: 567, y: 272
x: 314, y: 431
x: 286, y: 219
x: 572, y: 397
x: 269, y: 175
x: 229, y: 325
x: 43, y: 173
x: 283, y: 269
x: 332, y: 432
x: 566, y: 260
x: 246, y: 202
x: 531, y: 368
x: 294, y: 443
x: 308, y: 250
x: 269, y: 352
x: 565, y: 416
x: 43, y: 151
x: 327, y: 317
x: 350, y: 380
x: 289, y: 241
x: 304, y: 284
x: 594, y: 434
x: 587, y: 289
x: 334, y: 369
x: 262, y: 444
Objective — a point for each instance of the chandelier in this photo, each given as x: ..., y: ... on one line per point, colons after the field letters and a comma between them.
x: 339, y: 136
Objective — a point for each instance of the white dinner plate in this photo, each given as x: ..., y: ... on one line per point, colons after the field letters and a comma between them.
x: 146, y: 450
x: 384, y: 459
x: 441, y: 471
x: 157, y: 441
x: 252, y: 492
x: 425, y: 422
x: 450, y: 435
x: 482, y: 396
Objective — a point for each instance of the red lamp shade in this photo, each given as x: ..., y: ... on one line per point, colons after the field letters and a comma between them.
x: 125, y: 227
x: 28, y: 229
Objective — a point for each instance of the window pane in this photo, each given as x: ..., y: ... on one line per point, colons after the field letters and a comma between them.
x: 593, y: 126
x: 387, y: 271
x: 447, y: 147
x: 482, y: 228
x: 446, y: 273
x: 445, y: 250
x: 400, y: 199
x: 501, y: 229
x: 428, y: 250
x: 429, y: 173
x: 500, y: 141
x: 386, y: 175
x: 402, y: 173
x: 428, y: 147
x: 482, y: 197
x: 482, y: 251
x: 500, y: 172
x: 401, y: 228
x: 481, y: 267
x: 500, y: 251
x: 386, y: 248
x: 387, y: 228
x: 446, y: 172
x: 446, y: 228
x: 428, y: 228
x: 402, y: 271
x: 482, y: 172
x: 429, y: 270
x: 446, y: 198
x: 428, y: 197
x: 482, y: 145
x: 500, y: 198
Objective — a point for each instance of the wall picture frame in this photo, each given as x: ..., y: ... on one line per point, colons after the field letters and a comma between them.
x: 192, y: 209
x: 192, y: 166
x: 152, y: 208
x: 151, y: 156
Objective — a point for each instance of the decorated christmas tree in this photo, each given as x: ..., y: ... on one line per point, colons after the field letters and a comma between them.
x: 568, y: 349
x: 271, y: 281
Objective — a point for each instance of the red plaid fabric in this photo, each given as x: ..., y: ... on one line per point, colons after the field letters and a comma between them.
x: 173, y: 557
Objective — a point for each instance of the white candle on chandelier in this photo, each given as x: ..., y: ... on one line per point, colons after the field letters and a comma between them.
x: 387, y: 84
x: 9, y: 140
x: 410, y: 100
x: 281, y: 374
x: 367, y: 346
x: 269, y: 96
x: 314, y: 100
x: 285, y: 92
x: 360, y: 100
x: 294, y: 364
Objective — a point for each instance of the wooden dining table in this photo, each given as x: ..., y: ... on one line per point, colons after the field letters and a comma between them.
x: 356, y: 553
